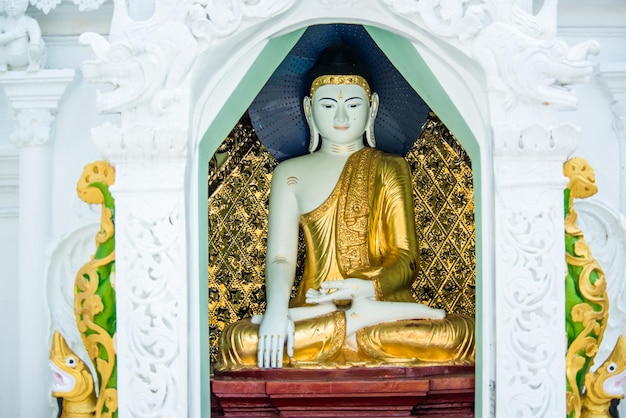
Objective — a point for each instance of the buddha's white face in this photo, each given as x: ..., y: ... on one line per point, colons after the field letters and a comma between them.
x: 340, y: 112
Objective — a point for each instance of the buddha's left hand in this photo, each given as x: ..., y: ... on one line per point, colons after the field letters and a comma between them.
x: 350, y: 288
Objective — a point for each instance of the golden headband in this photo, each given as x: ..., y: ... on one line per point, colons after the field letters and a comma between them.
x: 341, y: 79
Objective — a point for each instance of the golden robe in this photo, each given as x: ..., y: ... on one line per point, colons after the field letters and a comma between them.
x: 365, y: 229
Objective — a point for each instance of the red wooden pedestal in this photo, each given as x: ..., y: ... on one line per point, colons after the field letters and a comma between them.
x: 441, y: 391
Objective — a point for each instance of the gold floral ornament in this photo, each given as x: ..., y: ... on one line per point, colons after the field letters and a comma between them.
x: 585, y: 289
x: 339, y: 80
x: 96, y: 177
x: 94, y: 292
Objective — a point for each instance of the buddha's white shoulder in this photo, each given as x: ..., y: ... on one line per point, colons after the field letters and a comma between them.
x: 297, y: 165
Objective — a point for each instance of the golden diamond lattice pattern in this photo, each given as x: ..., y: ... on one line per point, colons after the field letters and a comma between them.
x: 239, y: 182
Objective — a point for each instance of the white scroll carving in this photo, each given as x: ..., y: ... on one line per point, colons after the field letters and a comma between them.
x: 151, y: 252
x: 518, y: 52
x: 530, y: 264
x: 211, y: 19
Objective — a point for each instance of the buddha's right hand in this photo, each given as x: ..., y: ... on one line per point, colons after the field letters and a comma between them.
x: 276, y: 329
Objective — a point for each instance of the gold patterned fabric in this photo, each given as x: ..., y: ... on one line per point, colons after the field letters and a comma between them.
x: 449, y: 340
x: 364, y: 229
x: 317, y: 341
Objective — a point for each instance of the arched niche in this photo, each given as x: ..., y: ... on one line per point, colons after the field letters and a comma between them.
x: 447, y: 81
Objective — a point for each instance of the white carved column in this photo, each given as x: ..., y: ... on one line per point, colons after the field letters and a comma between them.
x: 530, y: 268
x: 151, y: 267
x: 613, y: 76
x: 149, y: 153
x: 34, y: 98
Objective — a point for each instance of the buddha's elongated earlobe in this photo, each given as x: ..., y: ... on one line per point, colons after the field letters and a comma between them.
x: 315, y: 135
x: 369, y: 129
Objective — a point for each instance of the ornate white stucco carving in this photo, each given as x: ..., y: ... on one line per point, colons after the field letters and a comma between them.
x: 613, y: 77
x: 519, y: 53
x: 83, y: 5
x: 152, y: 313
x: 211, y: 19
x: 530, y: 264
x: 32, y: 127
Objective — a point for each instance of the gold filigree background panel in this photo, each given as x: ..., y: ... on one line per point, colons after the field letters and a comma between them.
x: 443, y: 193
x: 239, y: 181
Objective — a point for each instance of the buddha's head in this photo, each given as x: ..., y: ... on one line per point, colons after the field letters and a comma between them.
x: 340, y: 107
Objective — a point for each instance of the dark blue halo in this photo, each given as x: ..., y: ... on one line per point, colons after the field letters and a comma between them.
x: 276, y: 113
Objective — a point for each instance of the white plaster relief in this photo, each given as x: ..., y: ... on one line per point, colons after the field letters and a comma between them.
x: 528, y: 306
x: 152, y: 312
x: 211, y: 19
x: 86, y: 5
x: 83, y: 5
x: 45, y: 5
x: 31, y: 127
x: 139, y: 142
x: 518, y: 51
x: 529, y: 269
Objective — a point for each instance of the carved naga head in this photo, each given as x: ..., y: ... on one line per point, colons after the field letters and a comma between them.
x: 72, y: 379
x: 607, y: 382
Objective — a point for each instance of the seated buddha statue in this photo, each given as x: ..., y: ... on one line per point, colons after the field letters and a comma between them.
x: 354, y: 203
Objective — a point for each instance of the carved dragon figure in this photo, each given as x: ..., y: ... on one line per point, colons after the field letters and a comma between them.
x: 587, y: 303
x: 94, y: 302
x: 145, y: 61
x: 519, y: 52
x: 72, y: 380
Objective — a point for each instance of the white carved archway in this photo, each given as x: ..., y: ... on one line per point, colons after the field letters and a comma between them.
x: 502, y: 70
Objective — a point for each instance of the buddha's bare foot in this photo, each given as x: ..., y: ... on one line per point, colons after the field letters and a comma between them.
x: 367, y: 312
x: 304, y: 312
